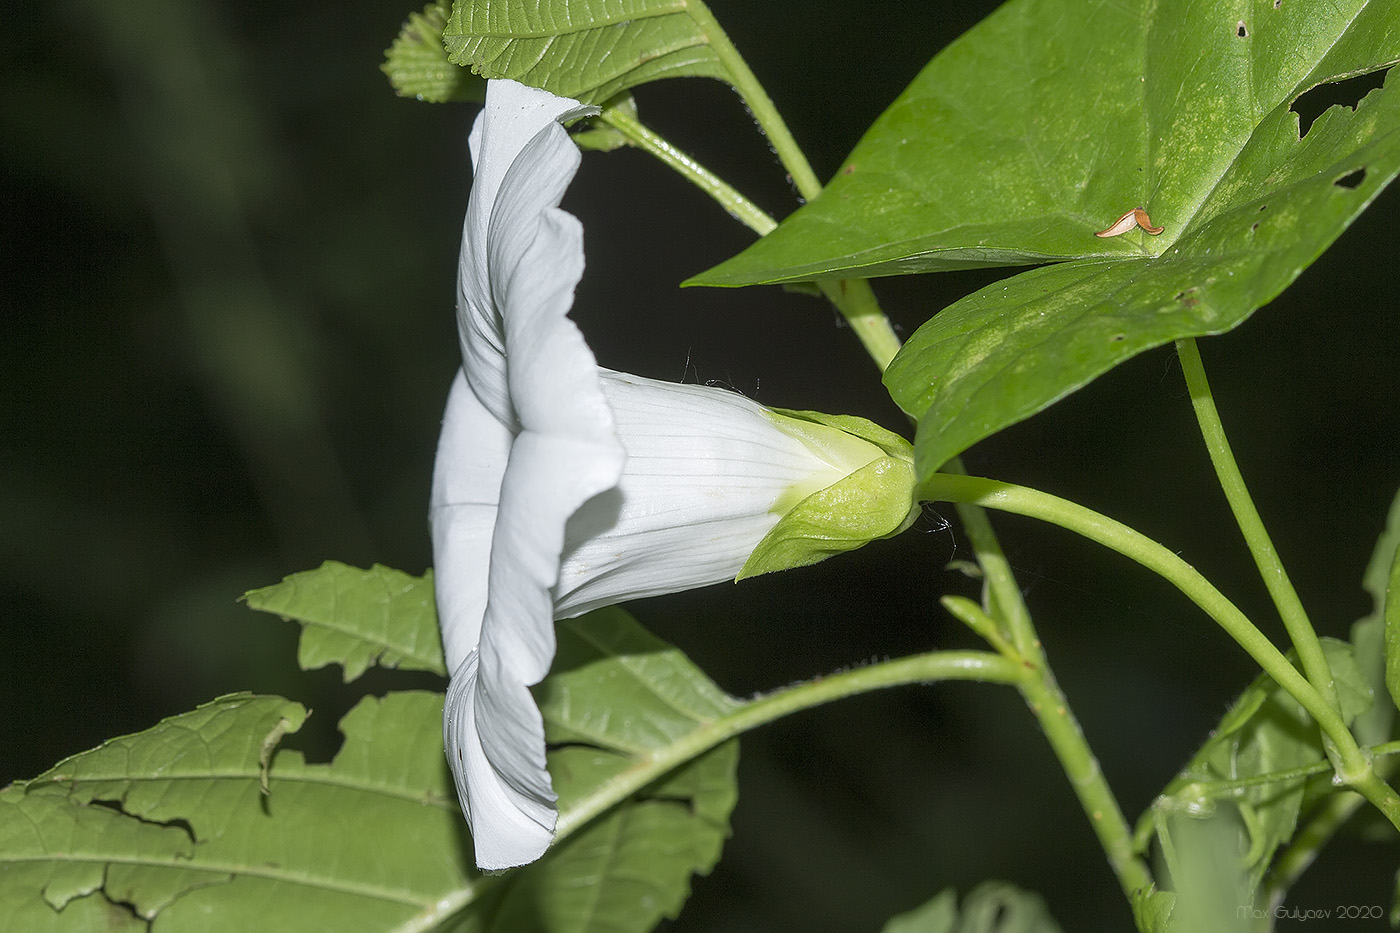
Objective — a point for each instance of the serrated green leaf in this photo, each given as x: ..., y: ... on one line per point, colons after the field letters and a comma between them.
x: 359, y: 844
x: 615, y: 685
x: 357, y: 618
x: 585, y: 49
x: 630, y: 869
x: 1178, y: 114
x: 1264, y: 732
x: 417, y: 63
x: 991, y: 907
x: 173, y: 821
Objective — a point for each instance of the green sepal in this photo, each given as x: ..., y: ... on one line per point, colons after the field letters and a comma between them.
x: 873, y: 501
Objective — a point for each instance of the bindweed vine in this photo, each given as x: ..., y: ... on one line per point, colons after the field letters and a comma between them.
x: 576, y: 771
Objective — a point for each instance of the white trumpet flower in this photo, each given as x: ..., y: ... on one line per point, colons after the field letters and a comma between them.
x: 561, y: 487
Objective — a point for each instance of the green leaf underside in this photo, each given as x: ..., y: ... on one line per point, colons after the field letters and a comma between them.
x: 1382, y: 581
x: 991, y: 907
x: 615, y: 684
x: 307, y: 854
x: 358, y: 618
x: 1369, y: 636
x: 1264, y: 732
x: 172, y: 824
x: 585, y: 49
x: 417, y: 63
x: 1044, y: 124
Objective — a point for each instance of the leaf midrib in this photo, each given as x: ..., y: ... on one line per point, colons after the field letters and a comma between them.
x: 305, y: 777
x: 678, y: 7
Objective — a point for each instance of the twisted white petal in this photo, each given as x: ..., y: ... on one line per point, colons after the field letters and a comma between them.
x: 558, y: 487
x: 527, y: 439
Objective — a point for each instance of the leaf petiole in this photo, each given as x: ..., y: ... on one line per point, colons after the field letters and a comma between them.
x: 920, y: 668
x: 1353, y: 765
x: 1285, y: 597
x: 648, y: 140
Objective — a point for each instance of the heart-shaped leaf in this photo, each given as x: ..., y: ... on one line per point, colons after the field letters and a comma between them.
x: 1050, y: 120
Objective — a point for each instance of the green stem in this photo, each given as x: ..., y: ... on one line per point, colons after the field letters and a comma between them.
x: 758, y: 102
x: 1353, y: 765
x: 1047, y: 701
x: 1062, y: 730
x: 1226, y: 788
x: 852, y: 297
x: 1321, y: 826
x: 1003, y: 593
x: 739, y: 207
x: 858, y: 305
x: 921, y: 668
x: 1285, y: 597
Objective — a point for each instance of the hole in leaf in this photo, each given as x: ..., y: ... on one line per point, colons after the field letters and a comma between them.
x: 177, y: 823
x: 1241, y: 30
x: 1277, y: 4
x: 1254, y: 226
x: 1347, y: 93
x: 1118, y: 338
x: 1263, y: 208
x: 1351, y: 179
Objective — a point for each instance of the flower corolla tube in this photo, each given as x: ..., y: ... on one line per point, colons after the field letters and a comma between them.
x: 560, y: 487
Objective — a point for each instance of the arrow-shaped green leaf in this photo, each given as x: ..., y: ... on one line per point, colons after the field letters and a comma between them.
x: 1042, y: 126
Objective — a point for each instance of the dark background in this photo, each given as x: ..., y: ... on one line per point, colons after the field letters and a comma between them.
x: 225, y: 343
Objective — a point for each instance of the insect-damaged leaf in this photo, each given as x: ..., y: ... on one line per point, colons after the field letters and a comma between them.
x: 1043, y: 125
x: 201, y: 822
x: 358, y: 618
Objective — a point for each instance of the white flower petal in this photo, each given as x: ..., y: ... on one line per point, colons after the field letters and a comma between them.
x: 559, y: 487
x: 513, y: 116
x: 705, y: 469
x: 530, y: 372
x: 508, y: 828
x: 471, y: 459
